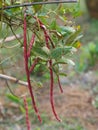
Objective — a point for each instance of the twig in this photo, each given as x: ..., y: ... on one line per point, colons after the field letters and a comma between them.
x: 38, y: 3
x: 11, y: 38
x: 16, y: 35
x: 7, y: 83
x: 13, y: 79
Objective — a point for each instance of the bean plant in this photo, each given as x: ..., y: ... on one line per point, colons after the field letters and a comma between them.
x: 49, y: 40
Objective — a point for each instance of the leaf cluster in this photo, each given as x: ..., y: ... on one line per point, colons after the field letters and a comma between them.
x: 64, y: 38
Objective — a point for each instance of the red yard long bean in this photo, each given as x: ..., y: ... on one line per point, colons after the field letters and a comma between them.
x: 59, y: 84
x: 47, y: 38
x: 27, y: 114
x: 31, y: 45
x: 27, y: 69
x: 33, y: 65
x: 51, y: 91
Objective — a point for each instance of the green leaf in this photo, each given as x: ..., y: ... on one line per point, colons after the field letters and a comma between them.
x: 8, y: 12
x: 22, y: 109
x: 77, y: 44
x: 63, y: 74
x: 57, y: 53
x: 64, y: 61
x: 66, y: 30
x: 46, y: 50
x: 78, y: 37
x: 59, y: 62
x: 53, y: 25
x: 39, y: 52
x: 71, y: 38
x: 13, y: 98
x: 66, y: 50
x: 70, y: 62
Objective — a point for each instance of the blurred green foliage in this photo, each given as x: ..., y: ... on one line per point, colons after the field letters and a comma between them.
x: 88, y: 54
x: 87, y: 57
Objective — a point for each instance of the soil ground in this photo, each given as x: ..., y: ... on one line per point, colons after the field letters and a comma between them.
x: 75, y: 103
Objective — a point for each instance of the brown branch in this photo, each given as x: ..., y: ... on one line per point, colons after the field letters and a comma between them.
x: 11, y: 38
x: 13, y: 79
x: 38, y: 3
